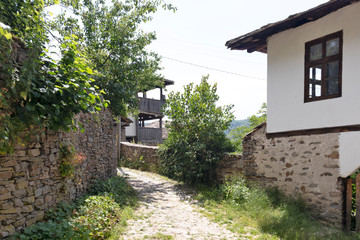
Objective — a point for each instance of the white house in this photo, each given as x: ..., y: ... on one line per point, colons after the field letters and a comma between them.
x: 311, y: 142
x: 313, y: 74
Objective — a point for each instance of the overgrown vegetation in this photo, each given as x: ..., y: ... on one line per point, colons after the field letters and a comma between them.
x: 236, y: 135
x: 196, y: 141
x: 99, y: 50
x: 139, y: 164
x: 259, y: 213
x: 101, y: 214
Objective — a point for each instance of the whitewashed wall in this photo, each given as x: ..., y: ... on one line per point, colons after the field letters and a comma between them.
x: 130, y: 131
x: 286, y: 53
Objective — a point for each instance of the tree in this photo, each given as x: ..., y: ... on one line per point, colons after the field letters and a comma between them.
x: 237, y: 134
x: 116, y: 47
x: 101, y: 52
x: 196, y: 141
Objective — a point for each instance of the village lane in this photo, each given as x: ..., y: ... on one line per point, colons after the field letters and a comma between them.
x: 164, y: 212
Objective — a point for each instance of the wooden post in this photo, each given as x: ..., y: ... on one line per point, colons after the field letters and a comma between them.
x: 357, y: 202
x: 348, y: 202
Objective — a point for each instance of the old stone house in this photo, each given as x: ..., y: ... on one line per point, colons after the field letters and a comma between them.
x: 310, y: 144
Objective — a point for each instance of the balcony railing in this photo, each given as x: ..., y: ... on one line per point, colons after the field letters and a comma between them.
x: 153, y: 135
x: 151, y: 105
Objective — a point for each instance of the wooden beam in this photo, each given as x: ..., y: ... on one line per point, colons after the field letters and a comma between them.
x: 339, y: 129
x: 358, y: 202
x: 348, y: 204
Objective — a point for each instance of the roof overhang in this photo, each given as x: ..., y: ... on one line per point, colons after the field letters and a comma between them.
x: 257, y: 40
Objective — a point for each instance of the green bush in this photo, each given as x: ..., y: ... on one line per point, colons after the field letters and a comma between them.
x: 196, y: 141
x: 235, y: 189
x: 93, y: 216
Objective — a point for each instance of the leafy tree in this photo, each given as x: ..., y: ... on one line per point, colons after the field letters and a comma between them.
x: 196, y: 141
x: 101, y: 52
x: 237, y: 134
x: 111, y: 39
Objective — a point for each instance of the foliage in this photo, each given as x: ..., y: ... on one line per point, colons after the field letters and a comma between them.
x: 110, y: 37
x: 262, y: 213
x: 235, y: 189
x: 140, y: 164
x: 235, y: 124
x: 67, y: 154
x: 196, y: 141
x: 40, y: 91
x: 237, y: 134
x: 91, y: 217
x: 100, y: 50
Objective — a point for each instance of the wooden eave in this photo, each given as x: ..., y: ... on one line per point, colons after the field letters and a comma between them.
x: 257, y: 40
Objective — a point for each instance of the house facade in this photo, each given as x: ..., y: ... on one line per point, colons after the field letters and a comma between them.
x: 150, y: 110
x: 313, y: 116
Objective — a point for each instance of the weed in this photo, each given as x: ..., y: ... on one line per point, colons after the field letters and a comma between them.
x: 100, y: 215
x: 248, y: 209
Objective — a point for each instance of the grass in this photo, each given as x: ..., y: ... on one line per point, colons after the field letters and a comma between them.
x: 256, y: 213
x: 159, y: 236
x: 102, y: 214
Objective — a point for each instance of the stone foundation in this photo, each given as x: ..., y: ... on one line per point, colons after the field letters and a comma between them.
x: 305, y: 166
x: 30, y: 181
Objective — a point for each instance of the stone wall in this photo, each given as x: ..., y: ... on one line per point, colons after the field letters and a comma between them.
x: 141, y: 156
x: 231, y: 164
x: 30, y: 181
x: 306, y: 166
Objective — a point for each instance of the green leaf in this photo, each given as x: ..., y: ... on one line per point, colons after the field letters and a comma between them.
x: 23, y: 95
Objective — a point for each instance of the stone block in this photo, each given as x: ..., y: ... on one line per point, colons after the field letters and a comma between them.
x: 6, y: 174
x: 5, y: 196
x: 19, y: 193
x: 9, y: 228
x: 28, y: 200
x: 19, y: 222
x: 19, y: 153
x: 38, y: 192
x: 22, y: 184
x: 10, y: 163
x: 27, y: 209
x: 7, y: 205
x: 34, y: 152
x: 10, y: 211
x: 18, y: 202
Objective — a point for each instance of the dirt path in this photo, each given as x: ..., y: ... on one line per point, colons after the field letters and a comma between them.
x: 164, y: 215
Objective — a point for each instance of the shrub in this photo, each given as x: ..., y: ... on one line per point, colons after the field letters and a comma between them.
x: 235, y: 189
x: 93, y: 216
x: 196, y: 141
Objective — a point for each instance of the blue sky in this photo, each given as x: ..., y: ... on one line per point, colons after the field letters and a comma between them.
x: 196, y: 34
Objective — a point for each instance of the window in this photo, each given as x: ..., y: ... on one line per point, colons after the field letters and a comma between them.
x: 323, y: 67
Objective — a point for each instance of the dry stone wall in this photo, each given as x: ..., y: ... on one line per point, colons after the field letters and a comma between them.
x: 30, y: 180
x: 139, y: 156
x: 305, y: 166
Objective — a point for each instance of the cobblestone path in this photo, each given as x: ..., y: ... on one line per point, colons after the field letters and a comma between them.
x: 163, y: 213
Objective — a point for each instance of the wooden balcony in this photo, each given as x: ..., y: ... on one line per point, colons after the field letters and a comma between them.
x: 149, y: 135
x: 147, y: 105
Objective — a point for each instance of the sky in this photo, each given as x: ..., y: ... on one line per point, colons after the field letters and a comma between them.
x: 195, y: 35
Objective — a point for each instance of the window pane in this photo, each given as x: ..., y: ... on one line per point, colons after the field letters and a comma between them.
x: 332, y: 86
x: 332, y: 47
x: 315, y: 73
x: 332, y: 69
x: 316, y: 52
x: 315, y: 81
x: 317, y: 90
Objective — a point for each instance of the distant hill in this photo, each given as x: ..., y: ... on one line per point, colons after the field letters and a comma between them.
x: 237, y: 123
